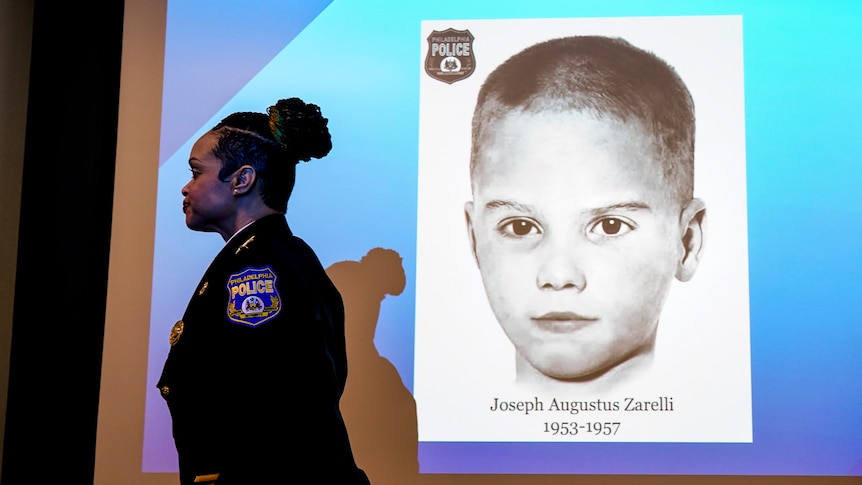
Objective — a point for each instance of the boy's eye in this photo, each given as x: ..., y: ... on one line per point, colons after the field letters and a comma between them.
x: 519, y: 228
x: 611, y: 226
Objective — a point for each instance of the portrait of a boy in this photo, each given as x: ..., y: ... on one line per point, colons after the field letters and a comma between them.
x: 583, y: 211
x: 582, y: 231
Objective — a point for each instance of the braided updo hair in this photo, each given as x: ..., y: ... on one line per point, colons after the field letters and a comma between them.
x: 273, y: 143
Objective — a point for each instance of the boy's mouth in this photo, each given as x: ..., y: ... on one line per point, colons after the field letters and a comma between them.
x: 562, y: 322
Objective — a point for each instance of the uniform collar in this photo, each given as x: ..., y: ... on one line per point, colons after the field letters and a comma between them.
x: 273, y: 223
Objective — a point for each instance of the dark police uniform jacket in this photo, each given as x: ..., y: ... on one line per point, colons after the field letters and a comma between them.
x: 257, y: 366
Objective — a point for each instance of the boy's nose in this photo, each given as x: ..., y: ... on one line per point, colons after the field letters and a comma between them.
x: 560, y: 268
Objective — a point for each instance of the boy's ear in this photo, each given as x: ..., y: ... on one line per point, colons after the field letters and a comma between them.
x: 468, y: 216
x: 692, y: 224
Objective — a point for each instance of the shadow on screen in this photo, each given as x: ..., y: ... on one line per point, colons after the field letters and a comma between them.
x: 379, y: 411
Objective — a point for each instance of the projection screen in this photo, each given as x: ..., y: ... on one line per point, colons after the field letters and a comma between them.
x: 756, y: 363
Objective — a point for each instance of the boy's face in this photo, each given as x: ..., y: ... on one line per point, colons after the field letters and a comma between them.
x: 577, y: 240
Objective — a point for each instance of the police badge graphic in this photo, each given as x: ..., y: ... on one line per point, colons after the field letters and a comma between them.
x: 450, y: 55
x: 254, y: 297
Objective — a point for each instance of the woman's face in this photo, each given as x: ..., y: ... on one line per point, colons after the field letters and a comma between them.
x: 208, y: 201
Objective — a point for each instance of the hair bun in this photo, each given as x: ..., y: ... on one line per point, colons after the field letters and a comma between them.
x: 300, y: 128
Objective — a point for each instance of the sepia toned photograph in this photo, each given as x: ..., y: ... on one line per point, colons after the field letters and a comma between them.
x: 582, y: 237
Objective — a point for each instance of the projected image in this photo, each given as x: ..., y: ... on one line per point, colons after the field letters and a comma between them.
x: 565, y: 291
x: 565, y: 232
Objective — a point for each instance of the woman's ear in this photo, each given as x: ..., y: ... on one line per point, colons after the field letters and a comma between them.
x: 244, y: 180
x: 693, y: 228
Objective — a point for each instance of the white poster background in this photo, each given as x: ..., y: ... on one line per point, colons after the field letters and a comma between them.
x: 464, y: 360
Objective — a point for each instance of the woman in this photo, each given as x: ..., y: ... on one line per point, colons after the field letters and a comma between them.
x: 257, y: 364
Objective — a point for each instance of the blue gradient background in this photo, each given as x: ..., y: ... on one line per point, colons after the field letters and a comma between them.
x: 360, y: 60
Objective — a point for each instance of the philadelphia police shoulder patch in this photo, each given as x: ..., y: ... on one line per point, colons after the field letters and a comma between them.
x: 254, y: 298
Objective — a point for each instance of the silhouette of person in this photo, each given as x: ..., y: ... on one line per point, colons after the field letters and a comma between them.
x: 379, y: 411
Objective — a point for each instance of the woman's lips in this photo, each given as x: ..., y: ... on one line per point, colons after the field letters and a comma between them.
x: 562, y: 322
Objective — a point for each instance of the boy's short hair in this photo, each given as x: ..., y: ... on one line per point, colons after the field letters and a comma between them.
x: 607, y: 77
